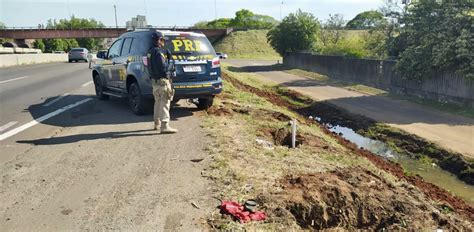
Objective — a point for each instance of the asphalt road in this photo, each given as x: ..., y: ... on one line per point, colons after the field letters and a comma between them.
x: 71, y: 162
x: 451, y: 131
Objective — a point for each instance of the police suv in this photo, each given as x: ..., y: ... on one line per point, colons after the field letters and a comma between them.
x: 123, y: 71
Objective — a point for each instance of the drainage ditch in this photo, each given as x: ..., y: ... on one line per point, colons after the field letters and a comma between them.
x: 330, y: 116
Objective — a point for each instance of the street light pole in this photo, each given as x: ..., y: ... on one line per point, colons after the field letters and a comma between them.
x: 68, y: 9
x: 281, y: 5
x: 215, y: 9
x: 115, y: 10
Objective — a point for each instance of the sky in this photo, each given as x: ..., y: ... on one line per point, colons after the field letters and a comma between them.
x: 30, y: 13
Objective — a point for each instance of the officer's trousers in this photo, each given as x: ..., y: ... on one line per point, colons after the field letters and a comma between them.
x: 163, y: 93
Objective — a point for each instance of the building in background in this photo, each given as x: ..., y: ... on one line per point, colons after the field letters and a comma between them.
x: 137, y: 22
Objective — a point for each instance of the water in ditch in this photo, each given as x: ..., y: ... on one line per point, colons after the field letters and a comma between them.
x: 430, y: 172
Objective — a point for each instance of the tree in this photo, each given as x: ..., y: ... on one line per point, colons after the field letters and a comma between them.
x: 367, y: 20
x: 219, y: 23
x: 437, y: 36
x: 375, y: 42
x: 2, y: 25
x: 297, y: 32
x: 332, y: 30
x: 243, y: 19
x: 67, y: 44
x: 39, y: 44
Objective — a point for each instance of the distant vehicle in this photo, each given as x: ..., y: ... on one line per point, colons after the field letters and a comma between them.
x: 123, y: 71
x: 77, y: 54
x: 222, y: 55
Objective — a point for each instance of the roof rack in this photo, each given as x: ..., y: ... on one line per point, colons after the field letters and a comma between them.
x: 144, y: 29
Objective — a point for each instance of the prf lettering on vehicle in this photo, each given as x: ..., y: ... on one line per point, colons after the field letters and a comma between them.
x: 187, y: 45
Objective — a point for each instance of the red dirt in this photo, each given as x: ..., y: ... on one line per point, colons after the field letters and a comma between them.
x: 355, y: 198
x: 430, y: 190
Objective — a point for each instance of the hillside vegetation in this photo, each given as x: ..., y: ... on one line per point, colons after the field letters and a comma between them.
x: 251, y: 44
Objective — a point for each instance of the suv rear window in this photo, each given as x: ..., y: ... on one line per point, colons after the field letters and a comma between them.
x: 77, y: 50
x: 187, y: 45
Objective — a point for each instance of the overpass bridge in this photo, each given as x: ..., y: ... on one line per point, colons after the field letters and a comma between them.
x: 20, y: 34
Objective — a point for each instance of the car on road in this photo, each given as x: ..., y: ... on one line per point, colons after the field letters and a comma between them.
x: 123, y: 71
x: 77, y: 54
x: 222, y: 55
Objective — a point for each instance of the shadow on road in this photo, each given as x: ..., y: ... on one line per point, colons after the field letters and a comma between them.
x: 111, y: 112
x: 80, y: 137
x: 259, y: 68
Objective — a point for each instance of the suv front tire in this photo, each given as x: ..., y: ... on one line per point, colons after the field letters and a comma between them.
x: 99, y: 89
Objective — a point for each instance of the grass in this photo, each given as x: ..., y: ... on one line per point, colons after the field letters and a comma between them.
x: 251, y: 44
x: 243, y: 169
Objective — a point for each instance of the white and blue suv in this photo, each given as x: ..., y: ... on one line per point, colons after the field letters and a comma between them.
x: 123, y: 72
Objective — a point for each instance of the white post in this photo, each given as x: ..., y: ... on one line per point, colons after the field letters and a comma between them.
x: 293, y: 133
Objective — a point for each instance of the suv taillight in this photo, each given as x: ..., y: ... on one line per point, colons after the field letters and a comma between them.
x: 216, y: 63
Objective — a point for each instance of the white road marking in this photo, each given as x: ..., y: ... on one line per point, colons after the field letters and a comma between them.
x: 8, y: 125
x: 56, y: 100
x: 41, y: 119
x: 14, y: 79
x: 87, y: 83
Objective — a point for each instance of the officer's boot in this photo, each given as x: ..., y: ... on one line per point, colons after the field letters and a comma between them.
x: 157, y: 125
x: 166, y: 129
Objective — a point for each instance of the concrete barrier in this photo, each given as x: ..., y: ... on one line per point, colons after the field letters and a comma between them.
x: 7, y: 60
x: 27, y: 50
x: 445, y: 87
x: 4, y: 50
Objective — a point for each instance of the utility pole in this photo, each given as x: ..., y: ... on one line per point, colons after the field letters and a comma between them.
x: 281, y: 5
x: 68, y: 8
x: 115, y: 10
x: 116, y: 24
x: 215, y: 9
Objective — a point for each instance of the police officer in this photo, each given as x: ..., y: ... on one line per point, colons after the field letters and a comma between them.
x: 159, y: 58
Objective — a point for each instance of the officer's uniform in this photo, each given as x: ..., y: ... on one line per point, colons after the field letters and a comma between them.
x: 162, y: 90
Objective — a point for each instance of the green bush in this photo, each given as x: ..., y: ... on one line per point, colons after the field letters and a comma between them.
x: 350, y: 47
x: 297, y: 32
x: 39, y: 44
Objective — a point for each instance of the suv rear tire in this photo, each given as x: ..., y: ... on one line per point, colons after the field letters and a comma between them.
x: 136, y: 100
x: 205, y: 103
x: 99, y: 89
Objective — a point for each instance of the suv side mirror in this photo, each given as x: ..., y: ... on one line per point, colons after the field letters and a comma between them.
x: 101, y: 55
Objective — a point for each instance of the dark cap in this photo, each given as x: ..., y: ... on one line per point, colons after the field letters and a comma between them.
x: 156, y: 36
